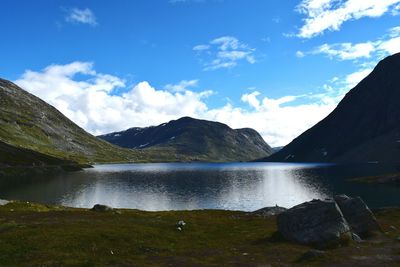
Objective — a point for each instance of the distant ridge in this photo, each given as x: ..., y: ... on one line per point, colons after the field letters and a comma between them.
x: 365, y: 126
x: 195, y: 140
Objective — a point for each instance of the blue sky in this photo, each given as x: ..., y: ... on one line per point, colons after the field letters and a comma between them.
x: 278, y: 66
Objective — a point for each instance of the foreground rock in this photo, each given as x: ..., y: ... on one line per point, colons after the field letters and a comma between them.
x: 269, y: 211
x: 317, y: 222
x: 359, y: 217
x: 101, y: 208
x: 328, y: 223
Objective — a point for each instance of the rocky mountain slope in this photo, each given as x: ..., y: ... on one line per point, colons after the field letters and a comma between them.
x: 28, y: 122
x: 365, y: 126
x: 195, y: 140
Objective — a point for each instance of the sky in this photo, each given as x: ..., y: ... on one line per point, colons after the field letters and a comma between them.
x: 278, y: 66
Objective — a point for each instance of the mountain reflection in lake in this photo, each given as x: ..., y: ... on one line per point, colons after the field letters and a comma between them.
x: 234, y: 186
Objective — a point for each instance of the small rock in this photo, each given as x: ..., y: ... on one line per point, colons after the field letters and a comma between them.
x: 356, y: 238
x: 181, y: 223
x: 360, y: 218
x: 101, y: 208
x: 269, y: 211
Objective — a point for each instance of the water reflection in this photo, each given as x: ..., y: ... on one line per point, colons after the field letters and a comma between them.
x: 238, y: 186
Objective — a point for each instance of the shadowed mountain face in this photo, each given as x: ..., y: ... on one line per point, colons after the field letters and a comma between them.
x: 195, y: 140
x: 13, y: 156
x: 28, y: 122
x: 364, y: 127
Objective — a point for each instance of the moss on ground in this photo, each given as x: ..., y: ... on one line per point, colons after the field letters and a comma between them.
x: 41, y: 235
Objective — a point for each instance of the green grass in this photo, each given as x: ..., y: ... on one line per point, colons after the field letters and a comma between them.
x: 40, y: 235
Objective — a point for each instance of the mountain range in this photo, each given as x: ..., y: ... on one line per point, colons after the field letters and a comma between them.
x: 33, y: 132
x: 195, y: 140
x: 364, y: 127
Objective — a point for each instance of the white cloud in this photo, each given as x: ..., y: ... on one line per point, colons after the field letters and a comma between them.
x: 346, y: 51
x: 182, y: 85
x: 396, y: 10
x: 225, y: 52
x: 277, y: 123
x: 323, y: 15
x: 228, y: 43
x: 201, y: 47
x: 91, y: 102
x: 300, y: 54
x: 390, y: 46
x: 353, y: 79
x: 81, y: 16
x: 386, y: 45
x: 252, y: 100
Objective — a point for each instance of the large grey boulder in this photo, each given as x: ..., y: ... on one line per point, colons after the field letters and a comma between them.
x: 317, y: 222
x: 359, y: 217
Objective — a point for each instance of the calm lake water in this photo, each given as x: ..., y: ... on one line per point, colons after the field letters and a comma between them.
x: 234, y: 186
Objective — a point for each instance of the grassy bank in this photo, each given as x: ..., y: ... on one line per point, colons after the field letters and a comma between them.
x: 39, y: 235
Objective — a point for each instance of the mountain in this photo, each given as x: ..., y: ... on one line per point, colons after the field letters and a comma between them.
x: 195, y: 140
x: 27, y: 122
x: 364, y: 127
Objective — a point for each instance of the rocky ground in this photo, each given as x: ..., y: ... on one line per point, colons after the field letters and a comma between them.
x: 40, y: 235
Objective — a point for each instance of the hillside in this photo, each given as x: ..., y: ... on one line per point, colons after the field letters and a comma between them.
x: 196, y: 140
x: 365, y: 126
x: 28, y: 122
x: 13, y: 156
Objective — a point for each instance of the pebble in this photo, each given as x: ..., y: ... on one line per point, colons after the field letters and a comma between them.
x: 356, y: 238
x: 180, y: 225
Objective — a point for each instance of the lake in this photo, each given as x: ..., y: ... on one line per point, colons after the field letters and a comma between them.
x: 188, y: 186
